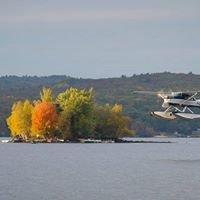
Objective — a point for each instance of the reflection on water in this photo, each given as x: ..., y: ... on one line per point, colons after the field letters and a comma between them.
x: 101, y: 171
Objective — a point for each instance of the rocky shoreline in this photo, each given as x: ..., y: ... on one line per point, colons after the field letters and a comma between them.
x: 82, y: 141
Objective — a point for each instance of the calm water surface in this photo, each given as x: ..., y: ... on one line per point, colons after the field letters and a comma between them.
x: 101, y: 171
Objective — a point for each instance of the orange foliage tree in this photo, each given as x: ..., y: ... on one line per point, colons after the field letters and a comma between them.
x: 44, y: 120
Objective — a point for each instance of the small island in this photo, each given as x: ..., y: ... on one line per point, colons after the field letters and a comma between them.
x: 71, y: 116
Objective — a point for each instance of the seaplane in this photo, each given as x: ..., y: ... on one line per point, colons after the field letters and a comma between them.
x: 176, y: 104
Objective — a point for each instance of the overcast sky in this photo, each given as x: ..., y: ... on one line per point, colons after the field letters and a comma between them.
x: 99, y: 38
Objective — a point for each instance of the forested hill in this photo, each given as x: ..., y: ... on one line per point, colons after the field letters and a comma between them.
x: 110, y: 90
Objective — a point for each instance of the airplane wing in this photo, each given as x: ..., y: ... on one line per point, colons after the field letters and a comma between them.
x: 161, y: 93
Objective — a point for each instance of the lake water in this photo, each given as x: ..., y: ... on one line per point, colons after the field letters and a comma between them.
x: 101, y: 171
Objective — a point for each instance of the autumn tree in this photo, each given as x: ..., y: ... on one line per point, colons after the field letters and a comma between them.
x: 20, y: 119
x: 72, y: 116
x: 111, y: 123
x: 46, y: 95
x: 44, y: 120
x: 78, y: 106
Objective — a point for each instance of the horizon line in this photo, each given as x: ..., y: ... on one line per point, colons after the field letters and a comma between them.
x: 121, y: 76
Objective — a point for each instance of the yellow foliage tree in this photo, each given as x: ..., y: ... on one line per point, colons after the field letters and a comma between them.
x: 44, y: 120
x: 117, y: 108
x: 46, y: 95
x: 19, y: 121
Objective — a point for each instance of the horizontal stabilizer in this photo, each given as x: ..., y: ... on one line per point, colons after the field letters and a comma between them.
x: 188, y: 115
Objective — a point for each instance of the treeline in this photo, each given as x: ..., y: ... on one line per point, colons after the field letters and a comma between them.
x: 109, y: 90
x: 71, y: 115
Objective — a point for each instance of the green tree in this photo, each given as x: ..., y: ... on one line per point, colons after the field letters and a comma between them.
x: 64, y: 125
x: 111, y: 123
x: 78, y: 105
